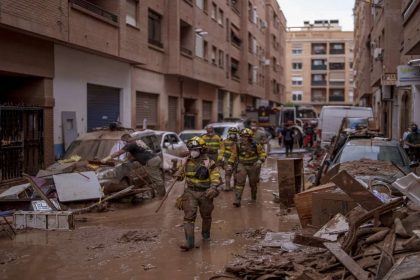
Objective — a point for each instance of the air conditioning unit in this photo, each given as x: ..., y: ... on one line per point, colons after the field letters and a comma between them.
x: 266, y: 61
x: 378, y: 53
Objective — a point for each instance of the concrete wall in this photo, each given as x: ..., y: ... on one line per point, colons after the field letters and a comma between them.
x: 73, y: 71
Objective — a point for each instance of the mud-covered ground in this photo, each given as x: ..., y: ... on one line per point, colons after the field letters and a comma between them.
x: 137, y: 243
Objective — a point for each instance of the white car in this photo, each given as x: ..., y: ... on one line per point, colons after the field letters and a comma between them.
x: 186, y: 135
x: 222, y: 128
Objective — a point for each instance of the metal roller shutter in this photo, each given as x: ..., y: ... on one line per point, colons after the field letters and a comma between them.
x: 147, y: 108
x: 103, y: 106
x: 172, y: 113
x: 207, y: 108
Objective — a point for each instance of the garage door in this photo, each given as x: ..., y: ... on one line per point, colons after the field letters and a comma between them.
x: 147, y: 108
x: 103, y: 106
x: 172, y: 113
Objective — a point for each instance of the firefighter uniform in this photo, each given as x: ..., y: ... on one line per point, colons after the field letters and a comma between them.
x: 212, y: 145
x: 202, y: 177
x: 250, y: 155
x: 227, y: 147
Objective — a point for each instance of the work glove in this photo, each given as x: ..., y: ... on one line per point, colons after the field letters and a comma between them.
x: 211, y: 193
x: 179, y: 203
x: 106, y: 159
x: 258, y: 164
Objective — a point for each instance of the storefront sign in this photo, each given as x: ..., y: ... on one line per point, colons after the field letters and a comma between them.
x: 408, y: 75
x: 389, y: 79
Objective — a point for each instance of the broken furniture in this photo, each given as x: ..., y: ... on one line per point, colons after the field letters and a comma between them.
x: 290, y: 179
x: 6, y: 226
x: 52, y: 220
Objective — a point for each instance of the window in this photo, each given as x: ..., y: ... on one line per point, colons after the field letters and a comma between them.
x: 319, y: 48
x: 186, y: 38
x: 336, y: 95
x: 252, y: 13
x: 201, y: 4
x: 297, y: 95
x: 214, y: 55
x: 235, y: 5
x: 221, y: 17
x: 199, y: 46
x: 155, y: 29
x: 274, y: 63
x: 297, y: 51
x: 213, y: 10
x: 297, y: 81
x: 234, y: 69
x: 221, y: 59
x: 274, y: 40
x: 234, y: 37
x: 319, y: 95
x: 318, y: 77
x: 297, y: 65
x: 319, y: 64
x: 206, y: 50
x: 131, y: 16
x: 336, y: 48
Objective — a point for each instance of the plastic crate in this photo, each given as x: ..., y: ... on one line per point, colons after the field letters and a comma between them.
x: 54, y: 220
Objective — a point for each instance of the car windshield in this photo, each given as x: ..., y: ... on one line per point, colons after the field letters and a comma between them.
x: 353, y: 122
x: 306, y: 114
x: 385, y: 153
x: 188, y: 136
x: 220, y: 130
x: 94, y: 149
x: 152, y: 142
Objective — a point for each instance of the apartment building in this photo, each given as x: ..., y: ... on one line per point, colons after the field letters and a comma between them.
x: 75, y: 65
x: 319, y: 61
x: 386, y: 39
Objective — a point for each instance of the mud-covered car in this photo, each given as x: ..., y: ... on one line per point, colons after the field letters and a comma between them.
x: 87, y: 150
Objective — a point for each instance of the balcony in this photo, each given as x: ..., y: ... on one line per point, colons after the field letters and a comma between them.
x: 319, y: 67
x: 337, y: 83
x: 319, y: 83
x: 336, y: 98
x: 337, y: 51
x: 94, y: 10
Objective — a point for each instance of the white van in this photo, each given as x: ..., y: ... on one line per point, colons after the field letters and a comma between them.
x: 331, y: 117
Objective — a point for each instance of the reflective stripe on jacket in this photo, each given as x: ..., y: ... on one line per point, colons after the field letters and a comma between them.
x: 191, y: 167
x: 249, y: 153
x: 212, y: 143
x: 226, y: 148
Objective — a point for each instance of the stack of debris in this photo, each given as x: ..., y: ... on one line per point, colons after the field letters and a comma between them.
x: 365, y: 237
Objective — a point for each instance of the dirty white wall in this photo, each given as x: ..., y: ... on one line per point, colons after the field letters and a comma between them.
x: 73, y: 71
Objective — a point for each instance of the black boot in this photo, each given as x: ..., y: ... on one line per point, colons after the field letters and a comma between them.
x: 205, y: 229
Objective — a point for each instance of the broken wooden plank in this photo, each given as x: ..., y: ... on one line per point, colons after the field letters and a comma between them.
x: 347, y: 261
x: 309, y: 241
x: 386, y: 261
x: 39, y: 191
x: 356, y: 190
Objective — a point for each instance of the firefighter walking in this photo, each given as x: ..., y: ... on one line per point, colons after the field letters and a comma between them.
x: 225, y: 159
x: 202, y: 178
x: 212, y: 141
x: 250, y: 156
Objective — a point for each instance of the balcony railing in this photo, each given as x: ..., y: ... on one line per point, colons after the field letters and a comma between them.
x: 86, y: 5
x: 337, y: 83
x: 186, y: 51
x: 336, y: 98
x: 319, y: 67
x: 339, y: 51
x: 319, y: 83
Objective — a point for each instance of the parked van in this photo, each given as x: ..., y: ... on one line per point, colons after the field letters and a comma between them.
x: 331, y: 117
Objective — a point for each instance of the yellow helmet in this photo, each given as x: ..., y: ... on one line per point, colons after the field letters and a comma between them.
x: 246, y: 132
x: 233, y: 130
x: 196, y: 143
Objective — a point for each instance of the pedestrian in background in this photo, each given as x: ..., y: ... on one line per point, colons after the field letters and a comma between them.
x: 413, y: 142
x: 288, y: 138
x: 404, y: 139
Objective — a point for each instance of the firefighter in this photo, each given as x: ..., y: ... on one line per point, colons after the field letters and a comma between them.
x: 250, y: 156
x: 202, y: 178
x: 212, y: 141
x: 225, y: 158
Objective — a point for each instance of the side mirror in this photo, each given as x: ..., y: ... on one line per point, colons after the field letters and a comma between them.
x: 414, y: 164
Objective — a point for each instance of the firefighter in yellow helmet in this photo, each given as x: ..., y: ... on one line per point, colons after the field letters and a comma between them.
x: 225, y: 159
x: 202, y: 178
x: 250, y: 156
x: 212, y: 143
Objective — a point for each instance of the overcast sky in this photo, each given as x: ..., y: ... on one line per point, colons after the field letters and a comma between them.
x: 297, y: 11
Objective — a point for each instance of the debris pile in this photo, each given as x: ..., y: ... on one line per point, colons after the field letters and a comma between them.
x: 364, y: 238
x: 138, y: 236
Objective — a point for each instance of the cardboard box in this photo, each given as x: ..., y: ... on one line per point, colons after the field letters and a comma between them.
x: 328, y: 203
x: 303, y: 202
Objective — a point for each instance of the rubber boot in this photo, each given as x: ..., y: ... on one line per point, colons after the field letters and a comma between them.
x: 238, y: 196
x: 254, y: 194
x: 189, y: 237
x: 205, y: 229
x: 227, y: 188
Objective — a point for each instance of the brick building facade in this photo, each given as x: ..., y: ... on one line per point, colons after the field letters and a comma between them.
x: 170, y: 64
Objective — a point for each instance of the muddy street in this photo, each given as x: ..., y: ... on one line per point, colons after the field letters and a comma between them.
x: 137, y: 243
